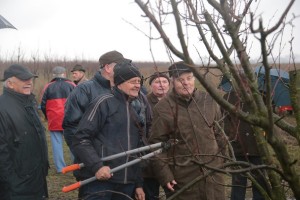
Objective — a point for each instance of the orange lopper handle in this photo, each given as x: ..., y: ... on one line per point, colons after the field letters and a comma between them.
x: 71, y: 187
x: 71, y: 168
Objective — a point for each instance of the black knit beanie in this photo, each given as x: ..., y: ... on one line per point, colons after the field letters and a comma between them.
x: 156, y: 75
x: 125, y: 71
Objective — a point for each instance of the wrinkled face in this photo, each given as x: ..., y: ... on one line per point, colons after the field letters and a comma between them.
x: 184, y: 85
x: 131, y: 87
x: 77, y: 75
x: 160, y: 86
x: 20, y: 86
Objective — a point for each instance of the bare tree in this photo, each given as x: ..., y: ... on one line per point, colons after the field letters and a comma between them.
x: 224, y: 28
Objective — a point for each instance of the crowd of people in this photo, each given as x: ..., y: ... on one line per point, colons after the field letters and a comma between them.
x: 107, y: 115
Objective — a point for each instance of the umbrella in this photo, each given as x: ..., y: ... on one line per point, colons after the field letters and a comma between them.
x: 279, y: 85
x: 5, y: 24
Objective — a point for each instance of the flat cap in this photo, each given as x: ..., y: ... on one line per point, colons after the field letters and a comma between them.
x: 178, y: 68
x: 111, y: 57
x: 18, y: 71
x: 78, y: 68
x: 58, y: 70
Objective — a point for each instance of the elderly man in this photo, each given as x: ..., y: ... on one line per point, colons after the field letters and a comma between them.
x: 78, y: 74
x: 188, y: 115
x: 111, y: 125
x: 53, y: 101
x: 82, y: 96
x: 23, y: 148
x: 85, y: 92
x: 159, y: 83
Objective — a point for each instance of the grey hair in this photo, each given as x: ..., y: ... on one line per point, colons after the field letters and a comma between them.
x: 62, y: 75
x: 5, y: 82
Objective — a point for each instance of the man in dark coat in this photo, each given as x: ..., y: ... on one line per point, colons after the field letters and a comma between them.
x: 112, y: 125
x: 87, y: 91
x: 159, y: 84
x: 23, y: 148
x: 80, y: 98
x: 242, y: 139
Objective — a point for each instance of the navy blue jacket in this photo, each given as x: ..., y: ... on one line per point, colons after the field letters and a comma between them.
x: 109, y: 126
x: 78, y: 101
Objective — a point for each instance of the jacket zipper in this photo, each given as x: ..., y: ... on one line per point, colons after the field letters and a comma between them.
x: 128, y: 140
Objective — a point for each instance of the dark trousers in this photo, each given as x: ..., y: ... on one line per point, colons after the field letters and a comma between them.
x: 239, y: 181
x: 104, y: 190
x: 151, y: 188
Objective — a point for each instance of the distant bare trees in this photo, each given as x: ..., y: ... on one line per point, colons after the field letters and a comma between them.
x: 224, y: 29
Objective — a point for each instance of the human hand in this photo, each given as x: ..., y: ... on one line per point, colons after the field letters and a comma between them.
x: 139, y: 194
x: 103, y: 173
x: 171, y: 185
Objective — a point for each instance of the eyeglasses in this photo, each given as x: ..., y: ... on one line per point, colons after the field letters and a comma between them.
x: 135, y: 82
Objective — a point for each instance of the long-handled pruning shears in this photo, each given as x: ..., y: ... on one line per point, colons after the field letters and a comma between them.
x: 161, y: 146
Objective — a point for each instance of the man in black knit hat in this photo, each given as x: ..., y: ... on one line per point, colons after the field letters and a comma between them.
x: 111, y: 125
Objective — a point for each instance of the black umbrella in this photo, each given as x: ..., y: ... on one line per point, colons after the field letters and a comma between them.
x: 5, y: 24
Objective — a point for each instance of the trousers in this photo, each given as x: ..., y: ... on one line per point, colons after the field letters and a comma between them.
x: 239, y: 181
x: 106, y: 190
x: 57, y: 142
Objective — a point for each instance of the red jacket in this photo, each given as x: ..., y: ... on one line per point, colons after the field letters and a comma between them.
x: 53, y: 101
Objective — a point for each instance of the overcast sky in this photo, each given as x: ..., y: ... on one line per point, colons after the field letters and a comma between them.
x: 88, y: 28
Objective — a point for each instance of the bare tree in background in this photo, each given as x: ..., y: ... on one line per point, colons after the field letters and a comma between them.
x: 224, y: 28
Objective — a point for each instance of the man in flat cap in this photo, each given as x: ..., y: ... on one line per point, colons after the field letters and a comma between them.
x: 54, y: 97
x: 78, y: 74
x: 84, y: 93
x: 23, y: 148
x: 188, y: 115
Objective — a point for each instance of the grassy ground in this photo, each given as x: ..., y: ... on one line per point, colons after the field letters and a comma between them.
x: 57, y: 181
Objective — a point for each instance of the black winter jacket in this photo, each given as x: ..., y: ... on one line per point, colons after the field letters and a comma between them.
x: 78, y: 101
x: 109, y: 126
x: 240, y: 133
x: 23, y: 148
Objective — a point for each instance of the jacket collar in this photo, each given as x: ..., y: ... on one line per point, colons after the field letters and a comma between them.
x: 180, y: 99
x: 152, y: 98
x: 102, y: 81
x: 21, y: 98
x: 58, y: 78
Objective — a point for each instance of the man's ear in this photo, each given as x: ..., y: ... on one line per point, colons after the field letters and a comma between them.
x: 9, y: 84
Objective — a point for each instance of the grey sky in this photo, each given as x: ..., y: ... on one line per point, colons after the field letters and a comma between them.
x: 88, y: 28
